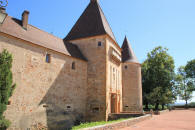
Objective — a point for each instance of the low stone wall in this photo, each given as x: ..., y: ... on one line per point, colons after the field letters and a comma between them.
x: 122, y: 124
x: 123, y: 115
x: 160, y: 112
x: 156, y: 112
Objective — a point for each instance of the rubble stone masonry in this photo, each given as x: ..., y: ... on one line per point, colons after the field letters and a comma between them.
x: 94, y: 49
x: 47, y: 93
x: 132, y: 88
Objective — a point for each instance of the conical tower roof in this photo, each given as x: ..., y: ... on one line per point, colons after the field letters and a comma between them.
x: 127, y: 53
x: 91, y: 23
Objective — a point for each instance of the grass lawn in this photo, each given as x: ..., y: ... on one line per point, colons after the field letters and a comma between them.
x: 92, y: 124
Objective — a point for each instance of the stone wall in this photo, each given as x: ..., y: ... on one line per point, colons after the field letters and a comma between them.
x: 48, y: 93
x: 94, y: 49
x: 121, y: 124
x: 132, y: 88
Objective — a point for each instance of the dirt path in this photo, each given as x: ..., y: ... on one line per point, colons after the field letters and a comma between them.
x: 174, y: 120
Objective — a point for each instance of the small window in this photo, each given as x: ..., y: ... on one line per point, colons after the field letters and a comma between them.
x: 45, y: 105
x: 9, y: 103
x: 48, y: 58
x: 99, y: 43
x: 126, y: 67
x: 68, y: 108
x: 96, y: 109
x: 73, y: 66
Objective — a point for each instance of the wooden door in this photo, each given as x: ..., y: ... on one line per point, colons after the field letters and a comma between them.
x: 113, y: 103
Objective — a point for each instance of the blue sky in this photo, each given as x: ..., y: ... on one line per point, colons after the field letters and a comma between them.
x: 147, y: 23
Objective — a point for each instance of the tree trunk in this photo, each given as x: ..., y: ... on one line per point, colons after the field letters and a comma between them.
x: 156, y: 106
x: 163, y: 106
x: 146, y: 107
x: 186, y: 103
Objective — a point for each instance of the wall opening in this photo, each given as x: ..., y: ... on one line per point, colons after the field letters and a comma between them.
x: 48, y: 58
x: 73, y: 66
x: 99, y: 43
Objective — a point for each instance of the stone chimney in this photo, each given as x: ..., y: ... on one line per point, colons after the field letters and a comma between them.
x: 2, y: 10
x: 94, y: 0
x: 25, y: 15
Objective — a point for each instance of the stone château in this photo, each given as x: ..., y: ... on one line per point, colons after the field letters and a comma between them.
x: 84, y: 77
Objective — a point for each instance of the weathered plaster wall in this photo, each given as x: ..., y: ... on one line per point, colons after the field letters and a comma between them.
x: 96, y: 88
x: 132, y: 88
x: 48, y: 93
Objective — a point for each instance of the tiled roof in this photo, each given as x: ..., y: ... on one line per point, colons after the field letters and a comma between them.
x: 36, y: 36
x: 91, y: 23
x: 127, y: 53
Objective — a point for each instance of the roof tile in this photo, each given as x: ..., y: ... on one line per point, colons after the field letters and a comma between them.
x: 91, y: 23
x: 36, y: 36
x: 127, y: 53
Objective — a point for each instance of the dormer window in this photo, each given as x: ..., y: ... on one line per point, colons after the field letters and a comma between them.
x: 99, y: 43
x: 48, y: 58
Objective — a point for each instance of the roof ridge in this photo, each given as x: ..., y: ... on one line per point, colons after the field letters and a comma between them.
x: 36, y: 28
x: 101, y: 11
x: 12, y: 26
x: 45, y: 32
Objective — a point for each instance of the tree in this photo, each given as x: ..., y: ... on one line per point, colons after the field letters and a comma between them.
x: 6, y: 83
x: 146, y: 87
x: 185, y: 85
x: 158, y: 73
x: 190, y: 69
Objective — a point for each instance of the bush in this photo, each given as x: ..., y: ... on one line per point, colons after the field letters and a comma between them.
x: 6, y: 86
x: 4, y: 124
x: 153, y: 107
x: 192, y: 104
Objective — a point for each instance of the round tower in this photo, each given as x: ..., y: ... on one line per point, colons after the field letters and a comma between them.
x: 131, y: 80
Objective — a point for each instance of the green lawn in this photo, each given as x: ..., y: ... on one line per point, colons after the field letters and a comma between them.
x: 92, y: 124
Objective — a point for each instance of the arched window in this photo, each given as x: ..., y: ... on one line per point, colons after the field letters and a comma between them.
x: 73, y: 66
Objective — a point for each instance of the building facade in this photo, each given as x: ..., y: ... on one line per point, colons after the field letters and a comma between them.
x: 60, y: 82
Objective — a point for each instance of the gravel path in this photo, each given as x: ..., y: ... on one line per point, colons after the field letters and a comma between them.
x: 174, y: 120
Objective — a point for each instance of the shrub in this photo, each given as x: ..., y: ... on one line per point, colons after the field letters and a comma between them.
x: 6, y: 85
x: 4, y: 124
x: 192, y: 104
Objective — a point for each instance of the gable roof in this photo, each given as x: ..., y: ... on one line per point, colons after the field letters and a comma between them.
x: 13, y: 27
x: 91, y: 23
x: 127, y: 53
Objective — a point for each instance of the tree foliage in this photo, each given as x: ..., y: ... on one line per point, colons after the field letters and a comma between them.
x: 158, y: 73
x: 190, y: 69
x: 6, y: 83
x: 184, y: 85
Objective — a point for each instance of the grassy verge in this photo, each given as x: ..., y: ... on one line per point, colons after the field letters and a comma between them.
x: 92, y: 124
